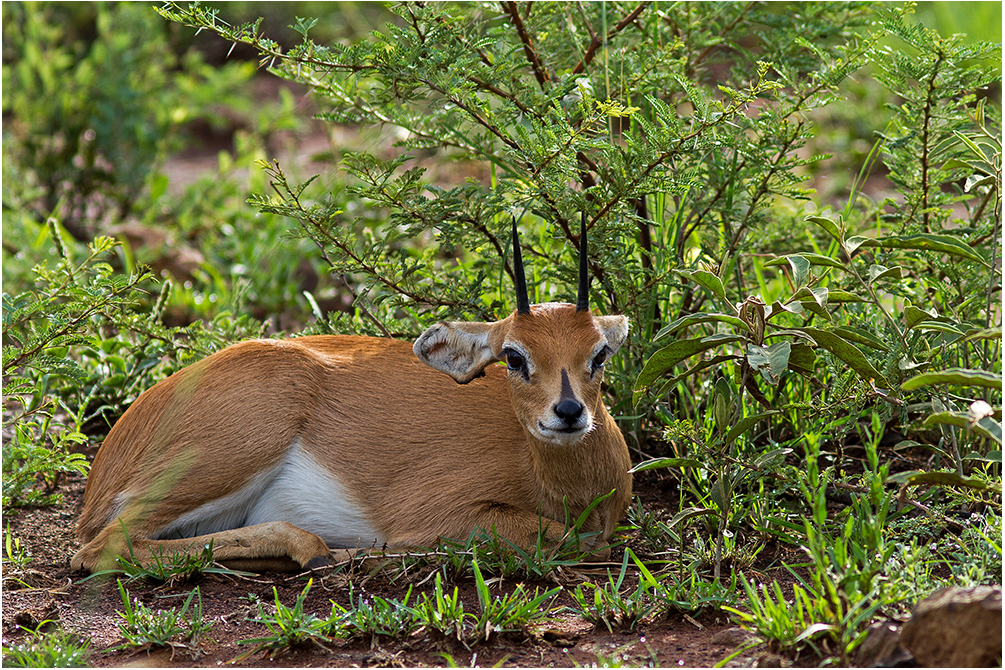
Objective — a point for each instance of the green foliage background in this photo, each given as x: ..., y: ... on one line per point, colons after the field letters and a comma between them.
x: 798, y: 206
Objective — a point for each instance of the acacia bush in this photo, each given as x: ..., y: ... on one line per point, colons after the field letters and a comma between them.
x: 679, y: 132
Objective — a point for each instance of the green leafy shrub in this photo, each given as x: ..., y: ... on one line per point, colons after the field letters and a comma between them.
x: 143, y: 627
x: 75, y: 354
x: 795, y: 333
x: 53, y: 649
x: 92, y: 121
x: 657, y: 158
x: 38, y: 331
x: 288, y: 626
x: 767, y: 328
x: 538, y: 130
x: 610, y: 606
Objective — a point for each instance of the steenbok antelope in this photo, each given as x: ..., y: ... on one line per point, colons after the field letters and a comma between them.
x: 276, y: 450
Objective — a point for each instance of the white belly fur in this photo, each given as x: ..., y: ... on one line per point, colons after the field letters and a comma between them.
x: 297, y: 490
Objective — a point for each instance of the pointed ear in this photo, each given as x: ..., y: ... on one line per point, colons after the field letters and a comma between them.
x: 614, y: 328
x: 460, y: 349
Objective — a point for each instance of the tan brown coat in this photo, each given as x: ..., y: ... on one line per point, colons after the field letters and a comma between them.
x: 354, y: 441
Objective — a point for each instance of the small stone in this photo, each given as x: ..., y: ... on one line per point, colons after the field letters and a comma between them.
x: 882, y: 647
x: 768, y: 661
x: 956, y: 627
x: 559, y: 638
x: 733, y: 637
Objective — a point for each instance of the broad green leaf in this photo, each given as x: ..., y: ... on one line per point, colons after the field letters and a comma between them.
x: 813, y: 306
x: 114, y: 381
x: 814, y: 259
x: 800, y: 269
x: 847, y: 352
x: 800, y: 305
x: 882, y: 272
x: 944, y: 479
x: 828, y: 225
x: 720, y: 401
x: 986, y: 427
x: 654, y: 463
x: 837, y: 295
x: 941, y: 327
x: 947, y: 244
x: 706, y: 279
x: 745, y: 424
x: 790, y: 307
x: 860, y: 336
x: 117, y: 362
x: 899, y: 478
x: 810, y: 299
x: 667, y: 357
x: 955, y: 377
x: 994, y: 456
x: 721, y: 494
x: 820, y: 259
x: 819, y: 295
x: 772, y: 458
x: 814, y: 629
x: 693, y: 319
x: 853, y: 243
x: 956, y: 164
x: 915, y: 315
x: 908, y: 363
x: 802, y: 359
x: 770, y: 361
x: 977, y: 151
x: 710, y: 363
x: 992, y: 427
x: 975, y: 180
x: 984, y: 334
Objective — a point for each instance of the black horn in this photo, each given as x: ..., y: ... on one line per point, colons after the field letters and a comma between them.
x: 583, y: 298
x: 522, y: 303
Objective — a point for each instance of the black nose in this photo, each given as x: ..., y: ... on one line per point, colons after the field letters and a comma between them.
x: 569, y: 411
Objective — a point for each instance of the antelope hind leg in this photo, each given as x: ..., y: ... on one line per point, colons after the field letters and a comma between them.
x: 276, y: 545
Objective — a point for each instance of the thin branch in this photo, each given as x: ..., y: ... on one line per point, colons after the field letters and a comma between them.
x: 473, y: 114
x: 596, y: 42
x: 484, y: 85
x: 540, y: 73
x: 725, y: 31
x: 925, y: 150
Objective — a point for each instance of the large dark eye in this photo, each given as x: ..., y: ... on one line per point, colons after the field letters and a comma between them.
x: 515, y: 361
x: 600, y: 359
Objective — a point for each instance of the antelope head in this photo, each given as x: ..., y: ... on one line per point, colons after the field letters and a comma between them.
x: 554, y: 354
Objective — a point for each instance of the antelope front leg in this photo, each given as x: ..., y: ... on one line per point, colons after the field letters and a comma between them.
x: 276, y: 545
x: 522, y: 528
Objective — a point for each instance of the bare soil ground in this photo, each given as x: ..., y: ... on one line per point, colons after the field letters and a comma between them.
x: 89, y: 608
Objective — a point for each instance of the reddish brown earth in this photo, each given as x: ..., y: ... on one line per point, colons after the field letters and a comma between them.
x: 90, y: 610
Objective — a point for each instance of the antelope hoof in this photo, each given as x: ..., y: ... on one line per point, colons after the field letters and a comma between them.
x: 319, y: 563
